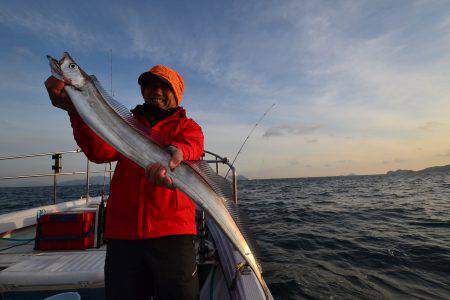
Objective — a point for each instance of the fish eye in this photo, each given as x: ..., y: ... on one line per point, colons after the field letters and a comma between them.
x: 72, y: 66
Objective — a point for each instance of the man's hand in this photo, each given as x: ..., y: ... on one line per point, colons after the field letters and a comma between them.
x: 177, y: 157
x: 157, y: 173
x: 58, y: 95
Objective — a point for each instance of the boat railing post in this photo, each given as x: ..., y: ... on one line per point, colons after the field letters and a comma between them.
x: 104, y: 183
x: 217, y: 164
x: 234, y: 185
x: 218, y: 159
x: 54, y: 189
x: 87, y: 180
x: 110, y: 173
x: 56, y: 169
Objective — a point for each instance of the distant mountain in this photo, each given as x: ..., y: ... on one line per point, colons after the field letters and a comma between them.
x: 401, y: 172
x: 428, y: 171
x: 241, y: 177
x: 351, y: 174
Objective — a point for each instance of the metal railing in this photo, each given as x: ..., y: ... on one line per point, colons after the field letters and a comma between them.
x: 56, y: 167
x: 223, y: 160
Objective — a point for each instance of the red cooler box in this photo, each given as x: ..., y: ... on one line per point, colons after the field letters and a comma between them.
x: 71, y: 230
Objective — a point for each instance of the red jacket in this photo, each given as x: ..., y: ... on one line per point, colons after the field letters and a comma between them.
x: 138, y: 209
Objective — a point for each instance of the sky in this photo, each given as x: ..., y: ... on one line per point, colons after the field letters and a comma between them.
x: 360, y: 87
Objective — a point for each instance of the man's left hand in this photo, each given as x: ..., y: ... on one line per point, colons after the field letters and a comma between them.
x: 177, y: 157
x: 157, y: 173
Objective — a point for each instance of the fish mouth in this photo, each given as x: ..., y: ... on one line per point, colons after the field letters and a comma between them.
x: 67, y: 56
x: 55, y: 67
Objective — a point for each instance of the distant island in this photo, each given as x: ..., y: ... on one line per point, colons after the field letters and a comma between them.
x: 241, y: 177
x: 94, y: 180
x: 428, y: 171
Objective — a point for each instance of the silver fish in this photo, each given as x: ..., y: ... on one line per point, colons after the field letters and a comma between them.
x: 117, y: 126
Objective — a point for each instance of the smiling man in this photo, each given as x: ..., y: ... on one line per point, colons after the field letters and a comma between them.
x: 150, y: 225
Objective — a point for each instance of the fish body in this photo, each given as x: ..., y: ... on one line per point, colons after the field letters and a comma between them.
x: 117, y: 126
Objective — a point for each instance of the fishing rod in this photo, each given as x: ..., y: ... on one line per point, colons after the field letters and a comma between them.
x: 111, y: 72
x: 248, y: 136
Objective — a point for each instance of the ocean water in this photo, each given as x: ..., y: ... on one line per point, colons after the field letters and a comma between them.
x: 18, y: 198
x: 359, y: 237
x: 367, y: 237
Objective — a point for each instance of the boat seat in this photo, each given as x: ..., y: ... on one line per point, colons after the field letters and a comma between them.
x: 52, y: 270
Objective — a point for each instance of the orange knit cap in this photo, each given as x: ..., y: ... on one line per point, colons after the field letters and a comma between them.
x: 167, y: 75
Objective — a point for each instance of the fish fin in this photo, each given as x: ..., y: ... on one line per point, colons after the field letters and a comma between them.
x: 219, y: 184
x: 224, y: 189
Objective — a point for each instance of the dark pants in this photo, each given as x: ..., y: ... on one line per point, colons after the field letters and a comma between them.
x: 164, y: 268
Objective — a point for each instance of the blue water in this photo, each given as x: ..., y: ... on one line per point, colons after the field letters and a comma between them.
x: 18, y: 198
x: 335, y: 237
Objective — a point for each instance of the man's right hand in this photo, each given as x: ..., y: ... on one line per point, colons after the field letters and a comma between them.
x: 58, y: 95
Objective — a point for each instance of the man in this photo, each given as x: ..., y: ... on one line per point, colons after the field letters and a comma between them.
x: 150, y: 226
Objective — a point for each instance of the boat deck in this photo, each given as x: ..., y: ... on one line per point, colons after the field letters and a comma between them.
x: 24, y: 268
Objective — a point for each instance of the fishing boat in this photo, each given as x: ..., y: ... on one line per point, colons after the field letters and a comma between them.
x: 32, y: 267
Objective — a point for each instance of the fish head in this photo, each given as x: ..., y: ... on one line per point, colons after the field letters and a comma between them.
x: 68, y: 71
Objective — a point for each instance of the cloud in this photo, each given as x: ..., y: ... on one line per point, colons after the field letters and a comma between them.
x: 290, y: 129
x: 344, y: 161
x: 294, y: 162
x: 22, y: 52
x: 59, y: 29
x: 443, y: 154
x: 311, y: 141
x: 394, y: 161
x: 204, y: 46
x: 6, y: 124
x: 399, y: 160
x: 370, y: 75
x: 431, y: 126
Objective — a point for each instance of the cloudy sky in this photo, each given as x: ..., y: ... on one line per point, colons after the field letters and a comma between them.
x: 360, y: 86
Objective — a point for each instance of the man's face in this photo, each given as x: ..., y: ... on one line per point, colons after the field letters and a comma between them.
x: 157, y: 93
